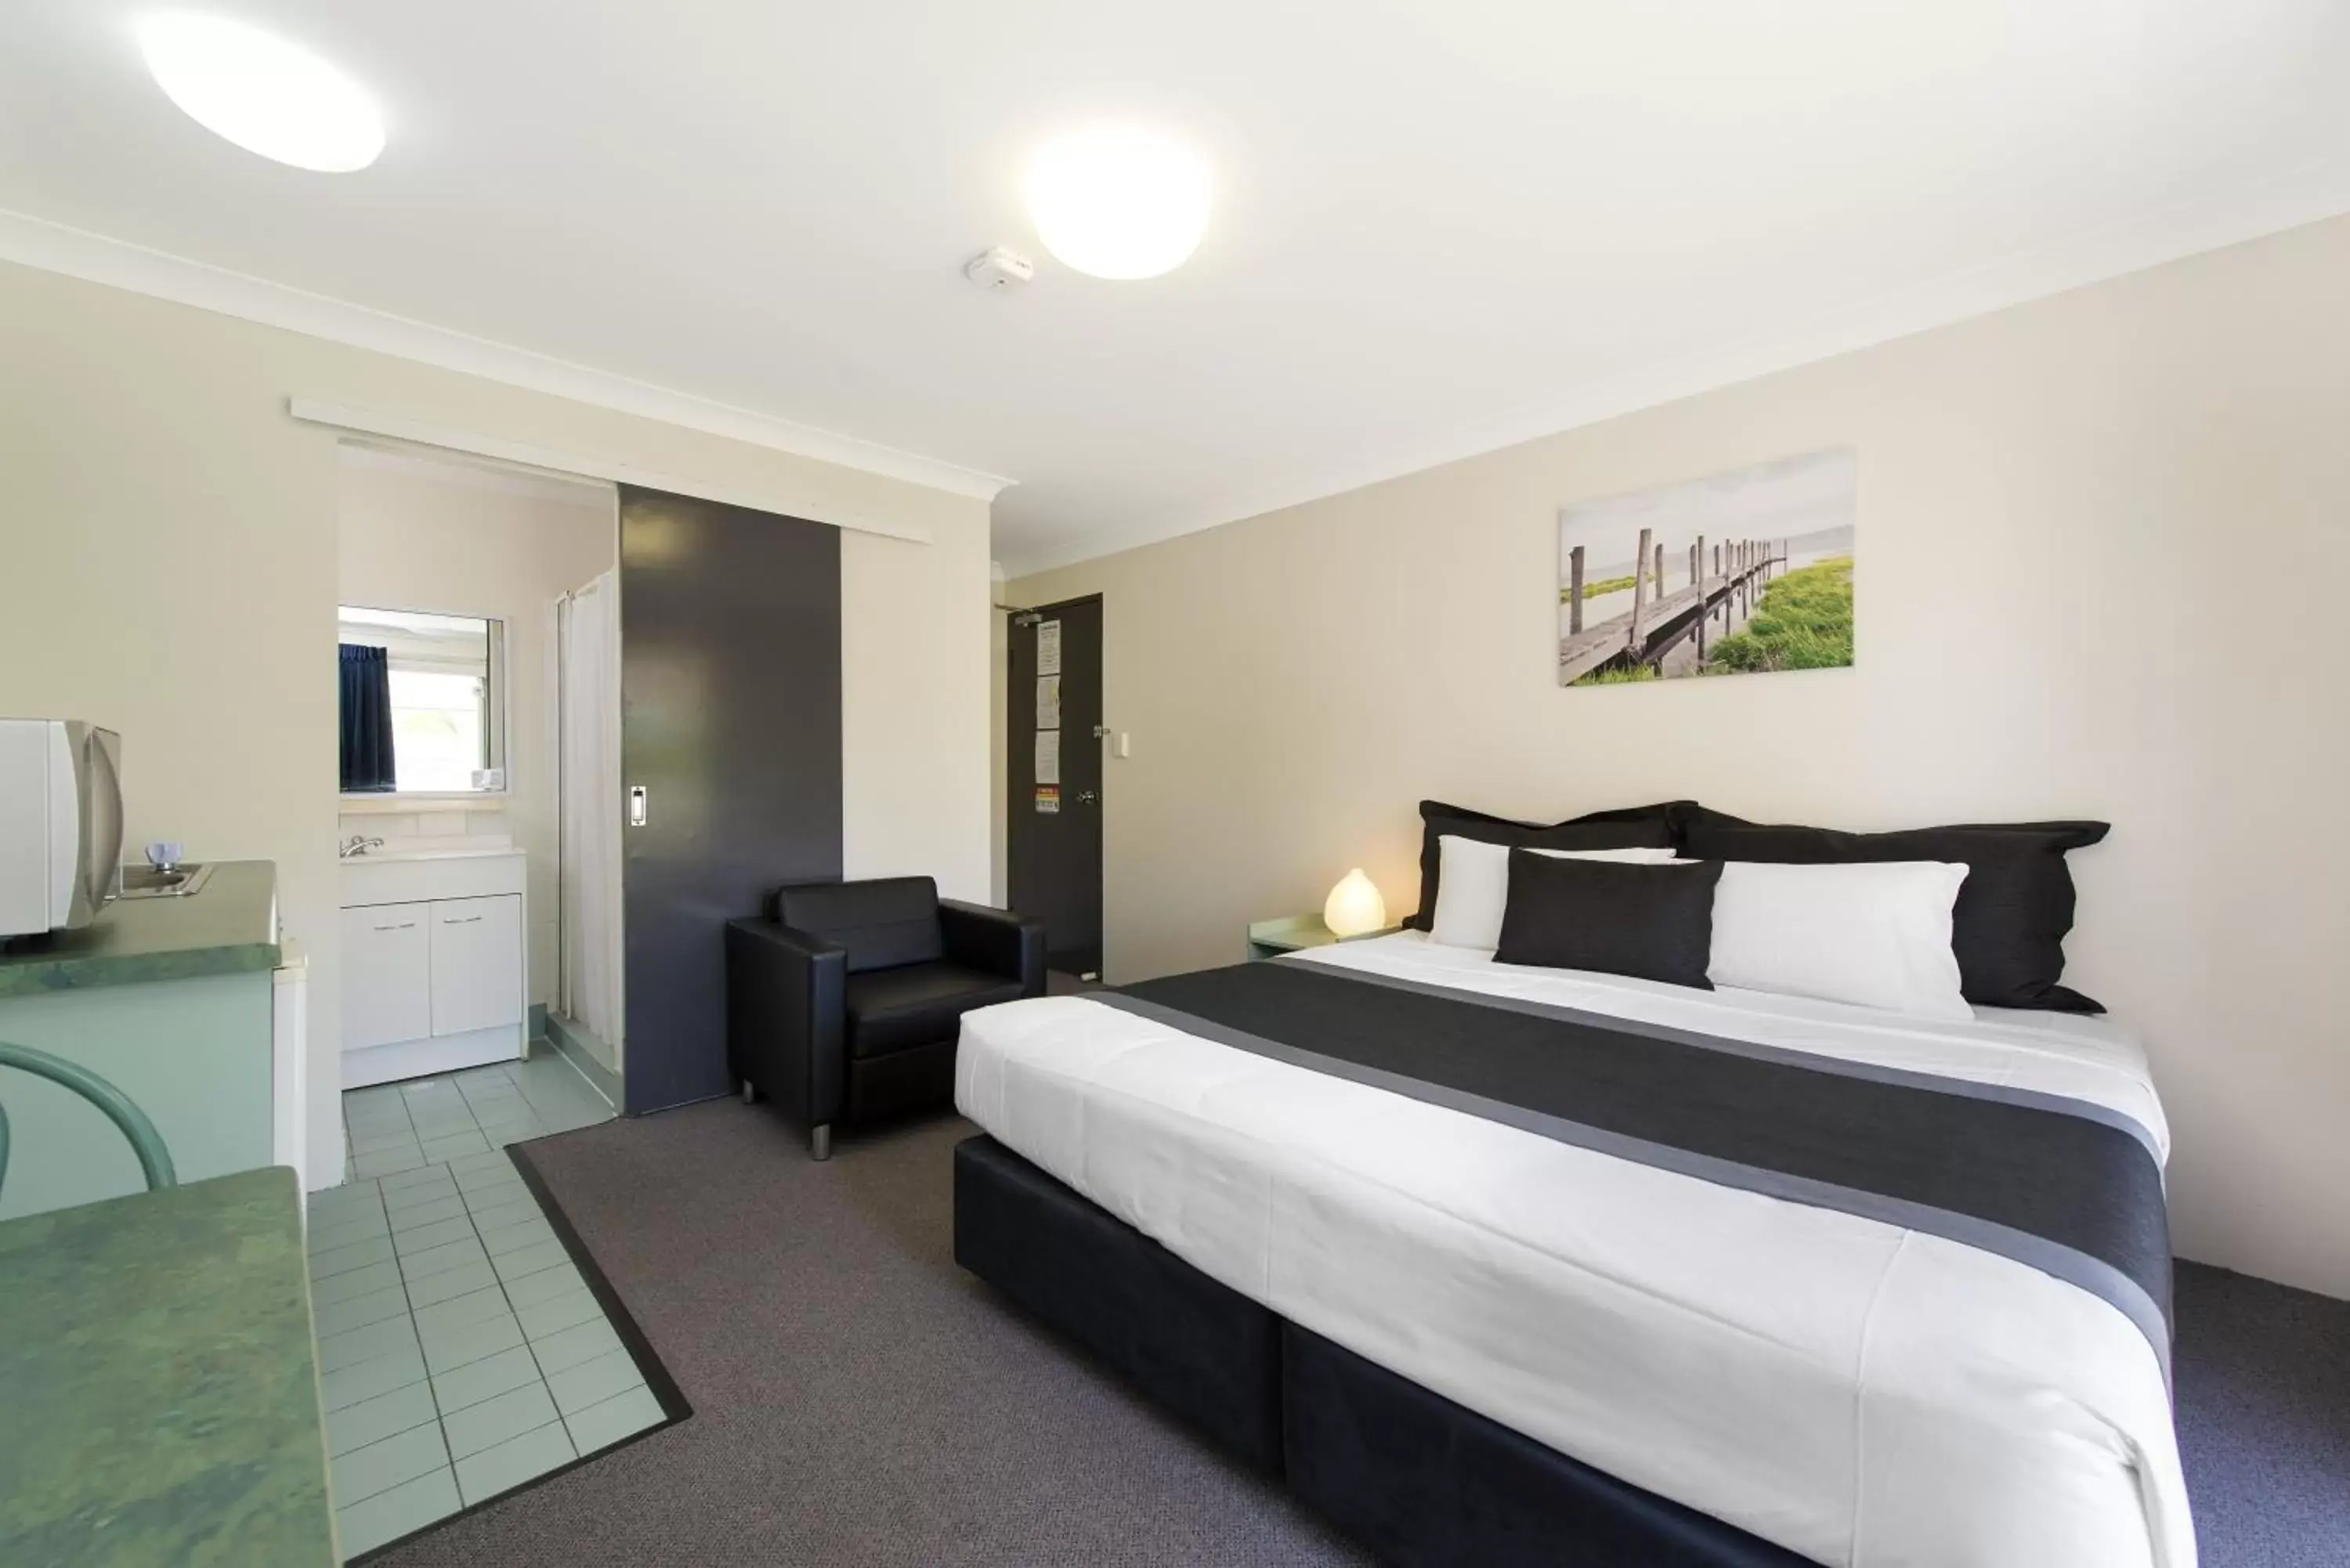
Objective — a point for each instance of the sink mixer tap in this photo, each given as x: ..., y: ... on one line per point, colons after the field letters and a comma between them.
x: 358, y: 845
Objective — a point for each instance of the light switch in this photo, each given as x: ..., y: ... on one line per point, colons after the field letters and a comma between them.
x: 1125, y: 744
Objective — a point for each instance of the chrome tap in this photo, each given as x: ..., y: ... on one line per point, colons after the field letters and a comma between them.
x: 358, y: 845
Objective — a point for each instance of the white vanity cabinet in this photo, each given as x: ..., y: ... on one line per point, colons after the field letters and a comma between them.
x: 476, y: 963
x: 434, y: 977
x: 387, y: 974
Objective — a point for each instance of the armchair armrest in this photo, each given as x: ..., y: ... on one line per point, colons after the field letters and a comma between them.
x: 995, y: 941
x: 786, y: 1026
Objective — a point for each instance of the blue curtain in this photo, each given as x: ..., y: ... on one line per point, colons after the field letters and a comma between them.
x: 366, y: 720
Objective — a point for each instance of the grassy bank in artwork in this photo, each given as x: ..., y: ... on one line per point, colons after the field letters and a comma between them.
x: 1592, y: 590
x: 1804, y: 622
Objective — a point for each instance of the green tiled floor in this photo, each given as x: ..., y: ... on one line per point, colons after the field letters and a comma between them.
x: 396, y: 1128
x: 461, y: 1354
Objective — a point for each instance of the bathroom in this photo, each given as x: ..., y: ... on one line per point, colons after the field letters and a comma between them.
x: 480, y: 816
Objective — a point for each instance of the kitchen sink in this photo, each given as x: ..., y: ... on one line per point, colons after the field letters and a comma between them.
x: 182, y: 881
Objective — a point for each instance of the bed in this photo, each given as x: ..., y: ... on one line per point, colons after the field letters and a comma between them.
x: 1716, y: 1368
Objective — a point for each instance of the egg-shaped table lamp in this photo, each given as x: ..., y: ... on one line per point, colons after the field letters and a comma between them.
x: 1354, y: 906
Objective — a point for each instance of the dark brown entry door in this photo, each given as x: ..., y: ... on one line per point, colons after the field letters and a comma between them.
x: 1053, y: 810
x: 730, y: 759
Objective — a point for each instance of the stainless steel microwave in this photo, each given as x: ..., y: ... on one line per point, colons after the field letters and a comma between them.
x: 61, y: 824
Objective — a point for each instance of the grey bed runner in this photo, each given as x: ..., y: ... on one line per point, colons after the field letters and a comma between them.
x: 2068, y: 1187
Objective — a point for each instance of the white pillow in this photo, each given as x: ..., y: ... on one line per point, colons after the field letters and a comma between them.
x: 1473, y: 885
x: 1875, y: 935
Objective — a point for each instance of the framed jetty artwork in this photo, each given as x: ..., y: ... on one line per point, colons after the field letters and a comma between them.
x: 1736, y: 573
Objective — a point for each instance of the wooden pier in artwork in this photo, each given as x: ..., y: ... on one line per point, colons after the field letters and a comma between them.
x: 1658, y: 621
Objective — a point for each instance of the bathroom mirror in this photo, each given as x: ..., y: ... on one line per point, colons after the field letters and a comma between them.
x: 423, y: 703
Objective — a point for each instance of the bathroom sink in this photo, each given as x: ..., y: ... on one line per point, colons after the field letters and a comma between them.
x: 378, y: 857
x: 420, y: 875
x: 182, y: 881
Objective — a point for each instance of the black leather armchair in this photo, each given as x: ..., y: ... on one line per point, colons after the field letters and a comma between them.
x: 844, y: 1004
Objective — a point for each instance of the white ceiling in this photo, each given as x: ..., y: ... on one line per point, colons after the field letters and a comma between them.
x: 1439, y: 227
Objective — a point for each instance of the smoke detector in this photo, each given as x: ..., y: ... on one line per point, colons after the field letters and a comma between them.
x: 999, y: 268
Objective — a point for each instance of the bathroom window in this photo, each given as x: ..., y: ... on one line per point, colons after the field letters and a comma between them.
x: 421, y: 704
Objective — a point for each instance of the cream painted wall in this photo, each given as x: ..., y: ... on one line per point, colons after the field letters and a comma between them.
x: 419, y: 535
x: 913, y: 686
x: 167, y: 567
x: 2102, y: 543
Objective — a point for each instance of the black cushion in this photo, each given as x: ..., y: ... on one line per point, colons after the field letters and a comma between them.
x: 917, y: 1005
x: 2007, y: 929
x: 1629, y: 828
x: 884, y: 922
x: 919, y: 1078
x: 1653, y: 922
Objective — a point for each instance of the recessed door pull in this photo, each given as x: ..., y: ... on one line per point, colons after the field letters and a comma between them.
x: 636, y: 805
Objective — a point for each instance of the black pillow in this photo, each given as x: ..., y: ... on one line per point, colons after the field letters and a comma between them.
x: 2008, y: 926
x: 1654, y: 922
x: 1630, y: 827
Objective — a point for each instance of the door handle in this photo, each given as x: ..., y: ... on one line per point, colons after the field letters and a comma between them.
x: 467, y: 920
x: 1087, y: 797
x: 636, y: 805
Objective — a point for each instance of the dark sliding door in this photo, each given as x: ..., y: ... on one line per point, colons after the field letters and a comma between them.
x: 730, y: 758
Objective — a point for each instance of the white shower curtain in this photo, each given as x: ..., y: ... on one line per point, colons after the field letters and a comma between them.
x: 588, y: 632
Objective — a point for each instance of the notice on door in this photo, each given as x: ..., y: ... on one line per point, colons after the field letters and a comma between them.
x: 1048, y: 756
x: 1048, y: 647
x: 1048, y: 800
x: 1048, y: 701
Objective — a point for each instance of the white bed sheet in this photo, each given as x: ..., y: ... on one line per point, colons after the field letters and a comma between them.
x: 1862, y: 1393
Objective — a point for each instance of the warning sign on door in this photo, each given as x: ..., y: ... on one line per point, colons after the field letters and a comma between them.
x: 1048, y: 800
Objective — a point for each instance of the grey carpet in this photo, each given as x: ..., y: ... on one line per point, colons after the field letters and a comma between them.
x: 860, y: 1400
x: 2263, y: 1405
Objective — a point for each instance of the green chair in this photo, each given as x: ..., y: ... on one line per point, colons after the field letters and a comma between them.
x: 145, y: 1141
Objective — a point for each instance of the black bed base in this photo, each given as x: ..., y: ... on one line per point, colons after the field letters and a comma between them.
x: 1417, y: 1479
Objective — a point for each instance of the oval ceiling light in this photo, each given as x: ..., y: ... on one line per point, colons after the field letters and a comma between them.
x: 1118, y: 203
x: 262, y: 93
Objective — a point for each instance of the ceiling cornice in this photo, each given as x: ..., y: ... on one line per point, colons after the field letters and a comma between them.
x: 2310, y: 193
x: 95, y: 258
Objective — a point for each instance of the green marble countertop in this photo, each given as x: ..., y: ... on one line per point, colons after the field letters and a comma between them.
x: 159, y: 1383
x: 230, y: 925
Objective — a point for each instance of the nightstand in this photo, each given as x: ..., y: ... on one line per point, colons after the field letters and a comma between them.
x: 1271, y: 938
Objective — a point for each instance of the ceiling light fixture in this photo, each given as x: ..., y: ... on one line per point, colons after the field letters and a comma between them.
x: 262, y: 93
x: 1118, y: 203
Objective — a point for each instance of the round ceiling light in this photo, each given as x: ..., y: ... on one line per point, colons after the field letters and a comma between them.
x: 262, y: 93
x: 1119, y: 203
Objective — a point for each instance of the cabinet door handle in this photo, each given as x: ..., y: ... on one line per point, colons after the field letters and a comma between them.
x: 403, y: 926
x: 468, y: 921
